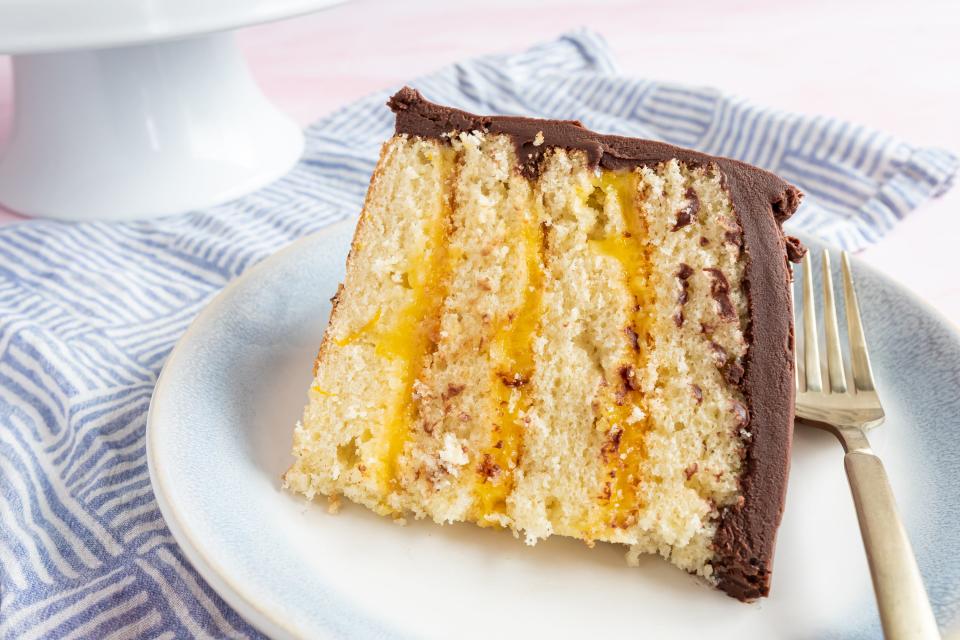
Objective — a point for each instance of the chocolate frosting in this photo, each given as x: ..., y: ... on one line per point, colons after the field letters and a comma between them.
x: 744, y: 542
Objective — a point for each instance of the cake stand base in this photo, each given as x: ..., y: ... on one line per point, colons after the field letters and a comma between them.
x: 140, y: 131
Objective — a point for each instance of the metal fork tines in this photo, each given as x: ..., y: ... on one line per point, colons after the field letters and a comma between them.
x: 848, y: 406
x: 840, y: 404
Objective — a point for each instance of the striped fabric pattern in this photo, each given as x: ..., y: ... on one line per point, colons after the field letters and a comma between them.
x: 89, y: 313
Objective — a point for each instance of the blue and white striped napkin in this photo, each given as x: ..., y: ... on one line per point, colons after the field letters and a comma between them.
x: 89, y: 312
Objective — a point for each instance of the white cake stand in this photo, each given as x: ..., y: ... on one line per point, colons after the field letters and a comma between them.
x: 129, y: 109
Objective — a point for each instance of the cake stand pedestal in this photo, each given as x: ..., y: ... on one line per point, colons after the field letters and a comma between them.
x: 161, y: 125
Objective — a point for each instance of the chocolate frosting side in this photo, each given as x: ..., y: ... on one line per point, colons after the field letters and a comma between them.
x: 744, y: 542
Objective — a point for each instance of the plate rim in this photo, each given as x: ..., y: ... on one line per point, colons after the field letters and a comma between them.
x: 234, y: 594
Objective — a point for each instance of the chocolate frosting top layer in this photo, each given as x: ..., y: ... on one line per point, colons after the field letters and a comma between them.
x: 744, y: 542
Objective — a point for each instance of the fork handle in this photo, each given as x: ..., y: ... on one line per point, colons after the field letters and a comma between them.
x: 904, y: 608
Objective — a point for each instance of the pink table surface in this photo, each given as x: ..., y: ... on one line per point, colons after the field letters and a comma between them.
x: 890, y: 65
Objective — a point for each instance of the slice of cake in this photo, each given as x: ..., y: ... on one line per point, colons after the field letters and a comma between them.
x: 560, y: 332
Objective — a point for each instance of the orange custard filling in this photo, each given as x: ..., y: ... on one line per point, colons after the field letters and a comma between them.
x: 405, y: 337
x: 513, y: 362
x: 408, y: 340
x: 353, y: 336
x: 625, y: 421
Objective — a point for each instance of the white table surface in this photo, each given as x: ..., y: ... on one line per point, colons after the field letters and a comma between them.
x: 890, y: 65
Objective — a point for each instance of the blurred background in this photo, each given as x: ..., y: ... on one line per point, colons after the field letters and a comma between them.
x: 889, y: 65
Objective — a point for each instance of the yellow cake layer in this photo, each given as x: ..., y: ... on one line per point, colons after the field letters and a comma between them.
x: 543, y: 354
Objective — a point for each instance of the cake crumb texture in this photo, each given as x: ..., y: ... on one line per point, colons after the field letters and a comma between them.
x: 556, y: 354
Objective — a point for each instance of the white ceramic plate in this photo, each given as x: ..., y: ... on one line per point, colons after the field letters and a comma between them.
x: 219, y: 435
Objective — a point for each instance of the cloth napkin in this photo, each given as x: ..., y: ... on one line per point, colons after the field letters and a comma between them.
x: 89, y: 313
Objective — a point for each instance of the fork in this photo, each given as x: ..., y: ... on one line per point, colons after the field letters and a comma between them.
x: 848, y: 408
